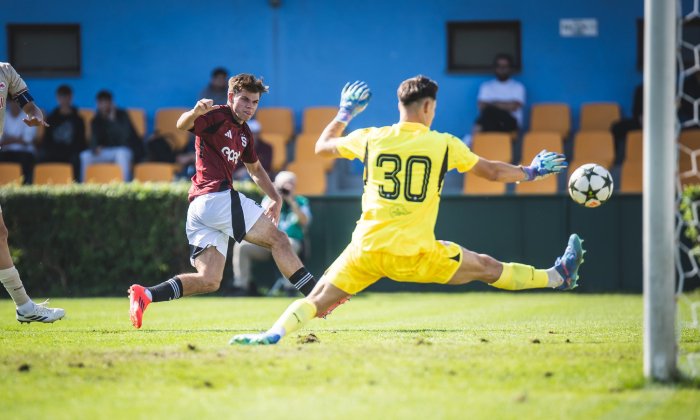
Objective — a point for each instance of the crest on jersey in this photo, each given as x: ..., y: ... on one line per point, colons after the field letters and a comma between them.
x: 2, y: 85
x: 244, y: 141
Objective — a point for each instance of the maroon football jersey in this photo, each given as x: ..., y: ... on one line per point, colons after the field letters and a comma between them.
x: 220, y: 144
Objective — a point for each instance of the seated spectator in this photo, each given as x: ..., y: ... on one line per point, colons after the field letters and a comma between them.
x: 619, y: 129
x: 185, y: 160
x: 294, y: 221
x: 262, y: 149
x: 64, y: 138
x: 17, y: 142
x: 500, y: 100
x: 217, y: 90
x: 114, y: 138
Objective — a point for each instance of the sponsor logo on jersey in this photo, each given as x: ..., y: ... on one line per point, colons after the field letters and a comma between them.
x: 244, y: 141
x: 228, y: 134
x: 231, y: 155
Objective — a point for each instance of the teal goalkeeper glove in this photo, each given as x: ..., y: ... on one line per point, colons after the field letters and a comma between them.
x: 353, y: 100
x: 545, y: 164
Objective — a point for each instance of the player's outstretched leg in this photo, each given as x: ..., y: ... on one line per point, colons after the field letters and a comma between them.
x: 210, y: 268
x: 568, y: 264
x: 515, y: 276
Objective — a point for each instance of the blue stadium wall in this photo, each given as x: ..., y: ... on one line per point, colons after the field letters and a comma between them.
x: 155, y: 54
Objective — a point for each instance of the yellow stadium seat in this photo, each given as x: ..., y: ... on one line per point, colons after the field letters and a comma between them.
x: 598, y: 116
x: 491, y: 146
x: 535, y: 142
x: 165, y: 121
x: 631, y: 177
x: 103, y: 173
x: 154, y: 172
x: 634, y: 150
x: 277, y: 121
x: 311, y: 177
x: 10, y: 173
x: 592, y: 147
x: 551, y: 117
x: 315, y: 119
x: 305, y: 151
x: 87, y: 115
x: 138, y: 120
x: 541, y: 186
x: 279, y: 150
x: 53, y: 174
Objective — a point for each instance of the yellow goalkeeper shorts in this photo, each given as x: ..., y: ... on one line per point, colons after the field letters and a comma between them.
x: 354, y: 270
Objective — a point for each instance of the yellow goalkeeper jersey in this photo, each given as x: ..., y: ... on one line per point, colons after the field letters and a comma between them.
x: 405, y: 165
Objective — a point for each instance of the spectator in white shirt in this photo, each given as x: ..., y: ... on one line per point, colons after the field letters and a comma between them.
x: 500, y: 100
x: 17, y: 142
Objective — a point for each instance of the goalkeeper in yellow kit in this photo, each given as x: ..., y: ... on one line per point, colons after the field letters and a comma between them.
x: 405, y: 165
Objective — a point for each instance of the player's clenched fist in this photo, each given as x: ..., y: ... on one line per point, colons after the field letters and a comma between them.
x: 203, y: 106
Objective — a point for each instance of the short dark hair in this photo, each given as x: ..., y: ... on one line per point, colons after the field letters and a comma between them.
x: 415, y: 89
x: 503, y: 56
x: 64, y: 90
x: 248, y: 82
x: 104, y: 95
x: 219, y: 71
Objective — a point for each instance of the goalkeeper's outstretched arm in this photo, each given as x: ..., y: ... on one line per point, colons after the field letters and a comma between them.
x: 543, y: 165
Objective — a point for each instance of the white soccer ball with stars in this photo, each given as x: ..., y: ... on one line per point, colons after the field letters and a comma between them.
x: 590, y: 185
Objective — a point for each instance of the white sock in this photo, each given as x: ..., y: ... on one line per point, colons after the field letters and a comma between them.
x: 27, y: 307
x: 554, y: 279
x: 9, y: 278
x: 148, y: 293
x: 277, y: 330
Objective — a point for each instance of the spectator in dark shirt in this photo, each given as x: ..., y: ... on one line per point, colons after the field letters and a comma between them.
x: 113, y: 137
x: 620, y: 128
x: 64, y: 138
x: 217, y: 89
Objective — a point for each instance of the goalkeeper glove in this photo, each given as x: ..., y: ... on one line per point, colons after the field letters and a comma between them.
x: 545, y: 164
x: 353, y: 100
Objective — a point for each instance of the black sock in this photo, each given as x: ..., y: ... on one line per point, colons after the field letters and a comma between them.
x: 168, y: 290
x: 303, y: 281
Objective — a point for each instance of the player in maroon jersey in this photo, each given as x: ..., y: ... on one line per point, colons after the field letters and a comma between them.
x: 217, y: 212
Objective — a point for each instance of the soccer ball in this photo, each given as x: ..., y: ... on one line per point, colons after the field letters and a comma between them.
x: 590, y: 185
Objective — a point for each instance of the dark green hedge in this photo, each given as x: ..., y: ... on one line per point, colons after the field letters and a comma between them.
x: 88, y: 240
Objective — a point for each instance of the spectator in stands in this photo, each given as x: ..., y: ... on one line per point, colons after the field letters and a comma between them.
x: 114, y: 138
x: 217, y: 90
x: 64, y: 138
x: 619, y: 129
x: 263, y: 150
x: 17, y: 142
x: 294, y: 221
x: 500, y: 100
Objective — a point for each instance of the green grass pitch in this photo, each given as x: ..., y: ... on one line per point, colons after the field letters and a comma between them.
x: 385, y: 356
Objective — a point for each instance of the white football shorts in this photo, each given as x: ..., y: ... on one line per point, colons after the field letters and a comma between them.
x: 214, y: 218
